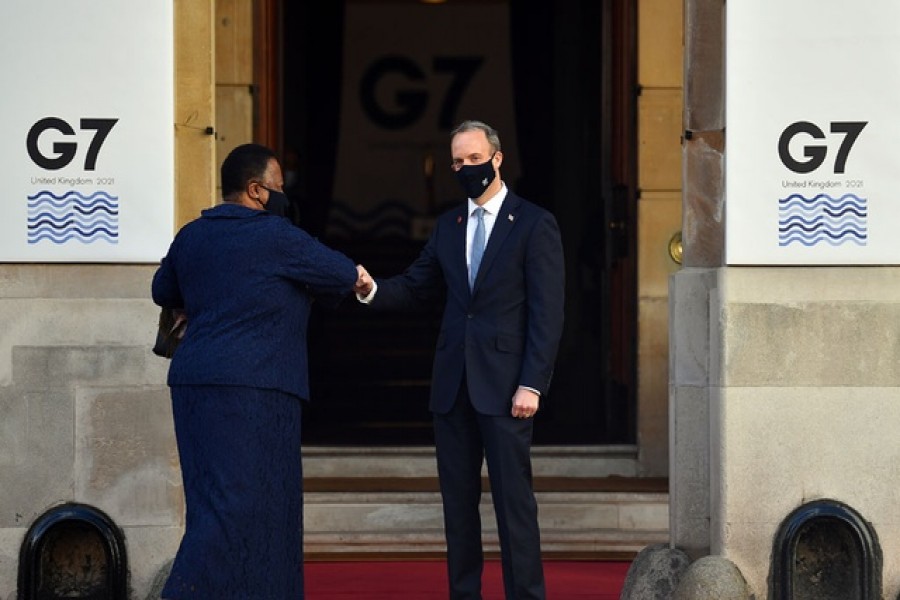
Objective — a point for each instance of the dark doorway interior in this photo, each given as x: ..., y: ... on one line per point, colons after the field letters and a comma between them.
x: 571, y: 73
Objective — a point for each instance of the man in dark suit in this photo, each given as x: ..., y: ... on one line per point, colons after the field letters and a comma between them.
x: 499, y: 262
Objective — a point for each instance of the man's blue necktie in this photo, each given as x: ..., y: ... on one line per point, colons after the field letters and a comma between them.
x: 477, y: 247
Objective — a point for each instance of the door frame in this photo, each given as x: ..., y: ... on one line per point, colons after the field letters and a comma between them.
x: 620, y: 220
x: 267, y: 74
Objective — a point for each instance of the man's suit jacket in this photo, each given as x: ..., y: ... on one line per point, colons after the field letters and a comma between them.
x: 247, y: 279
x: 505, y: 331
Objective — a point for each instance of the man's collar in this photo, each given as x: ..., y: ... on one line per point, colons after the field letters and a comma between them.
x: 492, y: 206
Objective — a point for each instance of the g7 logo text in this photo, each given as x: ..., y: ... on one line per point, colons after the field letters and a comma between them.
x: 65, y: 151
x: 816, y: 154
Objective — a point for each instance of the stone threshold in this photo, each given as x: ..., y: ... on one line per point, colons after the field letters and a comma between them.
x: 418, y: 461
x: 367, y: 518
x: 383, y: 503
x: 645, y: 485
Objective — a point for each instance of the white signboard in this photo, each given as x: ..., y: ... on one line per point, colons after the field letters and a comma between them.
x: 86, y: 151
x: 813, y: 122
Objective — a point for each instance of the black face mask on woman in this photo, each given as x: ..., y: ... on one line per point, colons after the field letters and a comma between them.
x: 474, y: 179
x: 278, y: 202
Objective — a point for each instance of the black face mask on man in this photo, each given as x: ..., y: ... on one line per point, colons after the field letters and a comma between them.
x: 277, y: 203
x: 474, y: 179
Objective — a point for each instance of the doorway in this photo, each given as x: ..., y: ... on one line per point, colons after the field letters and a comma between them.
x: 367, y: 94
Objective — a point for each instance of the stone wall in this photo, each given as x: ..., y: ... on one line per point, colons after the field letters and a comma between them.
x: 785, y: 389
x: 86, y: 413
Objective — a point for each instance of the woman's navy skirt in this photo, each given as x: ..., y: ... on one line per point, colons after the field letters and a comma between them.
x: 243, y: 487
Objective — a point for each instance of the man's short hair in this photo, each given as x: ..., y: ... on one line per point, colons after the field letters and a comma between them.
x: 493, y: 137
x: 242, y: 165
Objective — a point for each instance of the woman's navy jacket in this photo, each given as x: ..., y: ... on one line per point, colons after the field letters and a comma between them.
x: 247, y: 279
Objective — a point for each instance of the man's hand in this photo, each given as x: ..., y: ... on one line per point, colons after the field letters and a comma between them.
x: 364, y: 282
x: 525, y: 403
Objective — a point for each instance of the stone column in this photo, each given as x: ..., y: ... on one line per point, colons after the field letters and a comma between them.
x: 703, y: 235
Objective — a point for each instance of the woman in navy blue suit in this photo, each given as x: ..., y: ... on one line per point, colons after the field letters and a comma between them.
x: 246, y: 279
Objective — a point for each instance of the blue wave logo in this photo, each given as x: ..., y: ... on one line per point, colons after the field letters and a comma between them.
x: 823, y: 219
x: 73, y: 216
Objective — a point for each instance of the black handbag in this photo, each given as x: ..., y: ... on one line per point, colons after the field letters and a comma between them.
x: 172, y: 325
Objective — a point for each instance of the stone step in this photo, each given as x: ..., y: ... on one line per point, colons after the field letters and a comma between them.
x: 598, y: 517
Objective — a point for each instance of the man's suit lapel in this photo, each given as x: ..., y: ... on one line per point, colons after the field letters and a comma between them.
x: 458, y: 245
x: 506, y: 220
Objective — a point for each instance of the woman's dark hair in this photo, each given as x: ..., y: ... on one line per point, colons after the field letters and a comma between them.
x: 243, y: 164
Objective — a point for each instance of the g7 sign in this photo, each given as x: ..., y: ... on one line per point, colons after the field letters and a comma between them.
x: 65, y: 151
x: 412, y: 101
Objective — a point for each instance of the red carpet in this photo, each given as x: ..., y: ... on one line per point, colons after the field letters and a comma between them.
x: 427, y: 580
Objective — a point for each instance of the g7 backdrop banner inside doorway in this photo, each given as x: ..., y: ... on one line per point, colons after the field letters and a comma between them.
x: 813, y: 122
x: 411, y: 72
x: 86, y: 151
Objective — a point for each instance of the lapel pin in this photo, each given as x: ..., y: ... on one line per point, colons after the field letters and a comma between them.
x: 511, y: 218
x: 458, y: 220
